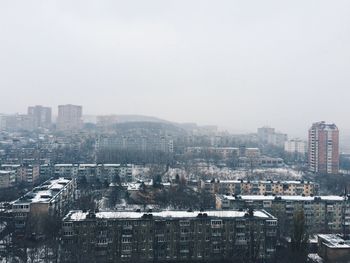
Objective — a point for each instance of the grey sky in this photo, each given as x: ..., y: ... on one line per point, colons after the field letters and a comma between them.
x: 238, y: 64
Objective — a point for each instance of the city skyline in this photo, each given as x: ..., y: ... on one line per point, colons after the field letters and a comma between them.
x: 344, y: 137
x: 175, y: 131
x: 236, y: 65
x: 86, y: 118
x: 90, y: 116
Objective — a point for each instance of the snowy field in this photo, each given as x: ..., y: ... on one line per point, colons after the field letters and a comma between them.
x: 209, y: 172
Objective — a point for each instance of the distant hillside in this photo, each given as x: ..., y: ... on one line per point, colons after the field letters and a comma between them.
x: 142, y: 120
x: 137, y: 118
x: 148, y: 127
x: 179, y: 127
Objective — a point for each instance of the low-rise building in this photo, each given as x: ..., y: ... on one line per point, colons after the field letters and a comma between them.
x: 108, y: 171
x: 32, y: 173
x: 87, y: 170
x: 25, y: 173
x: 52, y: 198
x: 295, y: 146
x: 168, y: 236
x: 268, y: 135
x: 7, y: 179
x: 323, y: 214
x: 334, y: 248
x: 261, y: 161
x: 66, y: 170
x: 243, y: 187
x: 226, y: 152
x: 47, y: 171
x: 93, y: 171
x: 135, y: 142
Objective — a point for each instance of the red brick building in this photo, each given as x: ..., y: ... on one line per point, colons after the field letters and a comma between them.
x: 323, y: 155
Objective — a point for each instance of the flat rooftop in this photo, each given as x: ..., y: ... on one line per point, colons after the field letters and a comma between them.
x: 66, y: 165
x: 5, y: 172
x: 92, y: 165
x: 283, y: 197
x: 80, y: 215
x: 44, y: 193
x: 334, y: 241
x: 261, y: 182
x: 10, y: 165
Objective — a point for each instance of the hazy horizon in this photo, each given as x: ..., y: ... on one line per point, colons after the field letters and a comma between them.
x: 236, y: 64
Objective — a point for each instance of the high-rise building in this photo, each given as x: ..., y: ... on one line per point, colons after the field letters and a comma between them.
x: 69, y: 117
x: 323, y: 153
x: 40, y: 116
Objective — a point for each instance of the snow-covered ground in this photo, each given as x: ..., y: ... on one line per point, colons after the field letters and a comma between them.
x: 315, y: 258
x: 139, y: 171
x: 2, y: 226
x: 208, y: 172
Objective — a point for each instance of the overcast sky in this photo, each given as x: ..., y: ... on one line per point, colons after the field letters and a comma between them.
x: 237, y: 64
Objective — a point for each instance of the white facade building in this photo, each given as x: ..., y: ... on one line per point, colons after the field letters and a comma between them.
x: 296, y: 146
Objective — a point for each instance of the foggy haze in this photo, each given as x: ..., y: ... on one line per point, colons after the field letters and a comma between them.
x: 235, y: 64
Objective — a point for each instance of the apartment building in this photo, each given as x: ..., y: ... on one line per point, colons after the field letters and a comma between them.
x: 226, y: 152
x: 168, y: 236
x: 69, y: 117
x: 334, y: 248
x: 2, y: 122
x: 243, y: 187
x: 136, y: 142
x: 261, y: 161
x: 323, y: 214
x: 7, y: 179
x: 40, y: 116
x: 295, y: 146
x: 323, y: 154
x: 108, y: 171
x: 52, y: 198
x: 25, y: 173
x: 125, y: 172
x: 268, y: 135
x: 16, y: 122
x: 66, y: 170
x: 47, y: 171
x: 87, y: 170
x: 102, y: 172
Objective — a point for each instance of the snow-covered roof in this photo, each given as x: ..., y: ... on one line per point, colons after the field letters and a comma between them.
x: 45, y: 192
x: 4, y: 172
x: 260, y: 182
x: 65, y: 165
x: 133, y: 186
x: 334, y: 241
x: 87, y: 165
x: 315, y: 258
x: 92, y: 165
x: 11, y: 165
x: 80, y: 215
x: 110, y: 164
x: 283, y: 197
